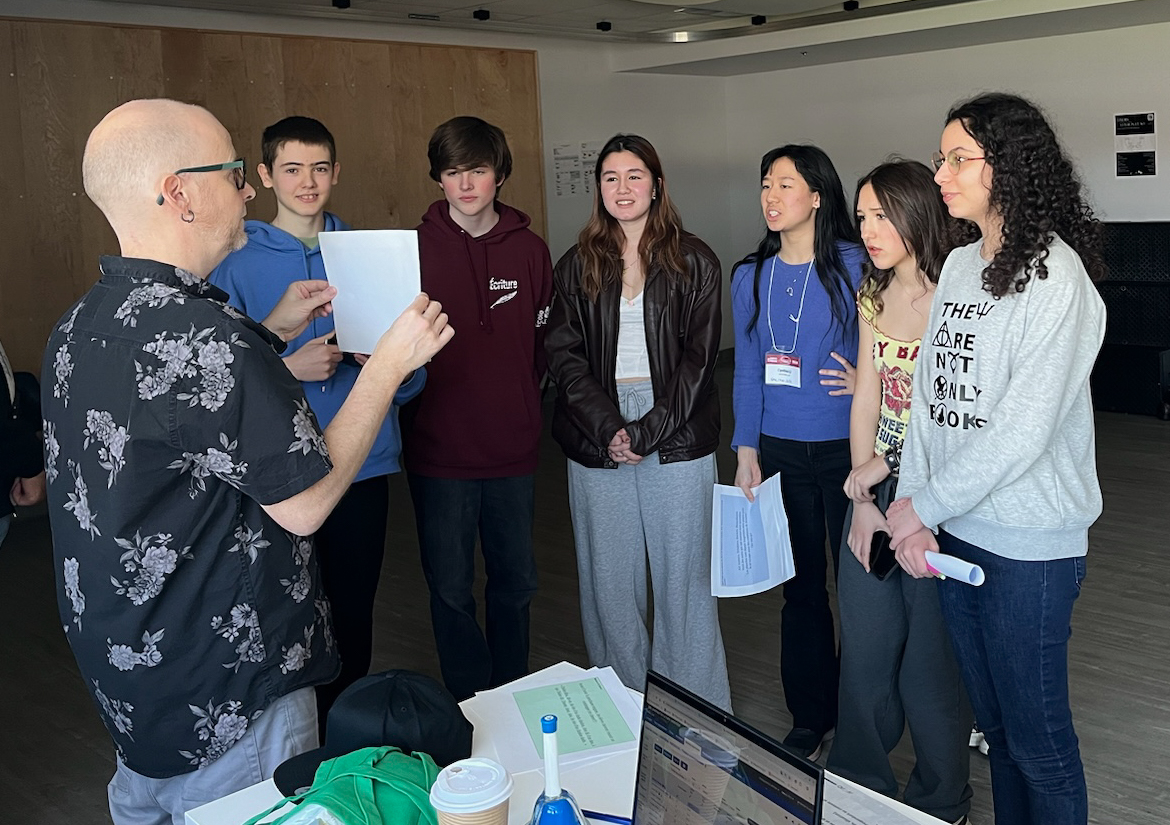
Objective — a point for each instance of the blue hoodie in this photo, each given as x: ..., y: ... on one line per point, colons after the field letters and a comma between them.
x: 257, y: 276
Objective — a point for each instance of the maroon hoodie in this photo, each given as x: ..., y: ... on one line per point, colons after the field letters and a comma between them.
x: 479, y: 414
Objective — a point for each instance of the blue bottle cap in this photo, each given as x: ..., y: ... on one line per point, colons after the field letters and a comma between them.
x: 548, y: 724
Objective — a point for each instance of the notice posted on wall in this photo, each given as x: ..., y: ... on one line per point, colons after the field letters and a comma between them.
x: 573, y: 167
x: 1135, y: 143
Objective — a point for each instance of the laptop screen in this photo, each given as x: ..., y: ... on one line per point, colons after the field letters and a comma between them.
x: 698, y: 765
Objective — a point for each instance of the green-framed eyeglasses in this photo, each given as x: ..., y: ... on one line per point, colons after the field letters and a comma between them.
x: 237, y: 167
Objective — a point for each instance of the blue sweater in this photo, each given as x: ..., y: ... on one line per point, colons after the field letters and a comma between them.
x: 256, y: 277
x: 807, y: 413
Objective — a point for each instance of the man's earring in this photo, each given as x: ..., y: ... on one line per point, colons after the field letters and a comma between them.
x: 189, y: 217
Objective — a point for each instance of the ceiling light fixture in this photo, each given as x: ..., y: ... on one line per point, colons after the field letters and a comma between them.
x: 604, y: 26
x: 482, y: 14
x: 341, y: 4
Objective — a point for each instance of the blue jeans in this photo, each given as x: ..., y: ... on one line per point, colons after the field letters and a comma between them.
x: 1011, y: 640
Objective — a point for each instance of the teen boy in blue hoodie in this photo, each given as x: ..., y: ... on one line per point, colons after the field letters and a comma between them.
x: 299, y: 165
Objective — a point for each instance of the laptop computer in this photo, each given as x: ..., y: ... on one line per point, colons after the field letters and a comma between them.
x: 698, y: 765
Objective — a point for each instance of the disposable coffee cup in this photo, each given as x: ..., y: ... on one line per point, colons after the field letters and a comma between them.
x: 472, y: 792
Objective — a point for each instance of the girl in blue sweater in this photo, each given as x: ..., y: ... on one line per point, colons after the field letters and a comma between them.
x: 794, y: 310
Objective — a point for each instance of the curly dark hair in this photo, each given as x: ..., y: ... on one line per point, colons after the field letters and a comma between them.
x: 1034, y: 189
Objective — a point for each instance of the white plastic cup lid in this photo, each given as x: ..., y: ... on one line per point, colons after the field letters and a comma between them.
x: 471, y: 785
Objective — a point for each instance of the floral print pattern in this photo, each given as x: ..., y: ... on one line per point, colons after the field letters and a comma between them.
x: 101, y: 429
x: 249, y: 541
x: 299, y: 586
x: 152, y: 295
x: 125, y: 657
x: 193, y: 354
x: 151, y: 560
x: 117, y: 712
x: 307, y: 434
x: 78, y: 503
x: 214, y: 462
x: 73, y: 592
x: 325, y: 620
x: 295, y: 657
x: 243, y: 624
x: 52, y: 451
x: 67, y: 325
x: 62, y: 371
x: 220, y: 726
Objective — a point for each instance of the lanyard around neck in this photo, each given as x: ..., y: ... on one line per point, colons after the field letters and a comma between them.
x: 799, y: 312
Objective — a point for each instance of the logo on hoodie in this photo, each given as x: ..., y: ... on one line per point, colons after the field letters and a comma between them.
x: 497, y: 284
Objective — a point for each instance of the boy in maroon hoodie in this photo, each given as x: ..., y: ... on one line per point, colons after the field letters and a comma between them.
x: 472, y: 436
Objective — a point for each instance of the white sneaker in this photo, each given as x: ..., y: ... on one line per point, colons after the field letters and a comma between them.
x: 978, y: 740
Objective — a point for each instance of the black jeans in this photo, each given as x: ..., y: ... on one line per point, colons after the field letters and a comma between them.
x: 449, y: 513
x: 350, y: 547
x: 812, y: 474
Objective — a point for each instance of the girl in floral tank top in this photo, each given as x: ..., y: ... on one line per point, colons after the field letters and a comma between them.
x: 894, y: 360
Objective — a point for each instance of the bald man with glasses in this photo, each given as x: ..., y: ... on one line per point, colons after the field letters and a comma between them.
x: 185, y: 472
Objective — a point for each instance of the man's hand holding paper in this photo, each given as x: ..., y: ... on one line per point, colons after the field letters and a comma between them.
x: 302, y: 302
x: 413, y: 339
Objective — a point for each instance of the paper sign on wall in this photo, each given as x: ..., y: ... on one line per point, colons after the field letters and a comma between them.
x: 1135, y: 143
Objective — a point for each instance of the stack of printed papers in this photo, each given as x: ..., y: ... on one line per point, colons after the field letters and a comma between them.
x: 596, y: 717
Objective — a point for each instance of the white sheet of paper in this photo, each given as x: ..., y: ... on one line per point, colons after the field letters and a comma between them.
x: 514, y: 747
x: 751, y: 550
x: 849, y: 804
x: 956, y: 569
x: 376, y: 272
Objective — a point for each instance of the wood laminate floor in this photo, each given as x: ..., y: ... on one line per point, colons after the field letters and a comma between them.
x: 55, y: 757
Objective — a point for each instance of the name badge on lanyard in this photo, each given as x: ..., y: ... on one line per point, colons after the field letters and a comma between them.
x: 781, y: 370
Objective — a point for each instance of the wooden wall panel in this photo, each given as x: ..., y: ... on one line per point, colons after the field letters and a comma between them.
x: 380, y: 100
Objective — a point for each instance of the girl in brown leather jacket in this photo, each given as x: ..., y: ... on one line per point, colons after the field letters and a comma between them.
x: 631, y: 344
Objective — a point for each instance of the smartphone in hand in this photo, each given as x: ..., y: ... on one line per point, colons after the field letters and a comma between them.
x: 881, y: 555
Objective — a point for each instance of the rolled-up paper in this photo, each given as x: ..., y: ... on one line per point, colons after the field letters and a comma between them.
x: 954, y: 568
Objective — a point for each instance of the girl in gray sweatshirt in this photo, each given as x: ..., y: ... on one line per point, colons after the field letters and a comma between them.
x: 999, y: 458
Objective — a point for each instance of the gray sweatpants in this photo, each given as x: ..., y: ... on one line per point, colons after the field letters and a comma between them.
x: 660, y: 512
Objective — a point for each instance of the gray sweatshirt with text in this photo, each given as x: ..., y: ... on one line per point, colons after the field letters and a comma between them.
x: 1000, y: 450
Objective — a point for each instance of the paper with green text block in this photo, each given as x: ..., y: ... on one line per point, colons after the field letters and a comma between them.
x: 587, y: 717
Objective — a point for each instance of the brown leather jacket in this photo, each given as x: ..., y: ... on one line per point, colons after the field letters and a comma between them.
x: 682, y: 335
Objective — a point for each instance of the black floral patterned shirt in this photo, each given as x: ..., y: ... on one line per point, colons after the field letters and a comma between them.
x: 169, y: 420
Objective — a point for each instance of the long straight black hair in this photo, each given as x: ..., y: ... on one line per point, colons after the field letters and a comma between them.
x: 832, y: 223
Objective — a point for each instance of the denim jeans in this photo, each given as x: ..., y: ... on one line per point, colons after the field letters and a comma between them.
x: 812, y: 474
x: 449, y: 514
x: 1011, y: 640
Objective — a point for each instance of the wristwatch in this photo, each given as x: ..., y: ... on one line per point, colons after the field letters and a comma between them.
x: 893, y: 459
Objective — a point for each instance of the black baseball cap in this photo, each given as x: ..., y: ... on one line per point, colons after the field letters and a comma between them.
x: 402, y: 708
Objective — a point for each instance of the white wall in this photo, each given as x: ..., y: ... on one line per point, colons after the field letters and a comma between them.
x: 711, y: 131
x: 861, y: 111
